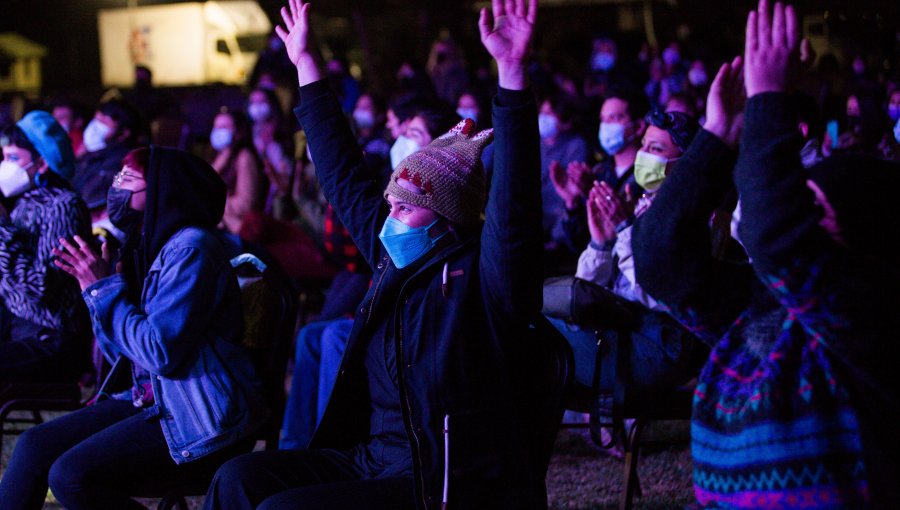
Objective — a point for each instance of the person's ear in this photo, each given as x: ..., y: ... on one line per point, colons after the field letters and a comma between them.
x: 639, y: 127
x: 40, y: 166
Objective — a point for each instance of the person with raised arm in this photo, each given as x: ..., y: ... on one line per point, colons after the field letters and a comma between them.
x: 424, y: 412
x: 798, y: 404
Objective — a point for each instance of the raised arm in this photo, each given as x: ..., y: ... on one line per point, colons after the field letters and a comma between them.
x: 671, y: 240
x: 349, y: 185
x: 511, y: 240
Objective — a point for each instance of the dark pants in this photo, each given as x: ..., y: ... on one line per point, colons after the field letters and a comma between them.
x: 304, y: 480
x: 33, y: 353
x: 97, y: 458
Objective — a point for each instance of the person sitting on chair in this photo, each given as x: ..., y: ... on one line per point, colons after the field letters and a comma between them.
x: 427, y: 408
x: 174, y: 312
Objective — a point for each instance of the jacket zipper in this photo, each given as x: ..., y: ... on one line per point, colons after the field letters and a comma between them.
x: 409, y: 412
x: 444, y: 503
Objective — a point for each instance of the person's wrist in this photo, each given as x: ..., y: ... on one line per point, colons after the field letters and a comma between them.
x: 511, y: 74
x: 309, y: 69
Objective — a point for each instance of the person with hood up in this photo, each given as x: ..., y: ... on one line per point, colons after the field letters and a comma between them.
x: 173, y: 313
x: 44, y: 328
x: 428, y: 409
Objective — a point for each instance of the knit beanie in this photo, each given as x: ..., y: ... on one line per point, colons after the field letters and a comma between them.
x: 50, y: 140
x: 449, y: 173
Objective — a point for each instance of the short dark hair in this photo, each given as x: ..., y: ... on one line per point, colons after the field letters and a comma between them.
x: 637, y: 103
x: 125, y: 115
x: 13, y: 135
x: 438, y: 117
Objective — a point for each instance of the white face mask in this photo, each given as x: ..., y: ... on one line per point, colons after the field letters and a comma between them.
x: 95, y: 136
x: 14, y: 179
x: 402, y: 149
x: 220, y: 138
x: 259, y: 111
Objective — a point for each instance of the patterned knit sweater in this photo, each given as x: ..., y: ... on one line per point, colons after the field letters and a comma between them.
x: 797, y: 405
x: 31, y: 287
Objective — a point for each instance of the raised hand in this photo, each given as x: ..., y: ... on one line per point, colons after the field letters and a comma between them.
x: 300, y: 42
x: 506, y: 33
x: 725, y: 103
x: 771, y: 51
x: 81, y: 261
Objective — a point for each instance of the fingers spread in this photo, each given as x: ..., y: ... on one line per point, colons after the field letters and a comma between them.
x: 793, y: 27
x: 288, y: 20
x: 764, y: 25
x: 778, y: 28
x: 532, y: 11
x: 752, y: 42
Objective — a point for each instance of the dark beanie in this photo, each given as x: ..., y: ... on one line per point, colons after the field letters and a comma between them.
x: 680, y: 126
x: 852, y: 184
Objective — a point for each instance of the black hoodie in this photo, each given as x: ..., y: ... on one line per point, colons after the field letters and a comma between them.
x: 182, y: 190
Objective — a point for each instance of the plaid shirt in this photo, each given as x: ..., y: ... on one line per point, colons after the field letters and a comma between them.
x: 339, y: 245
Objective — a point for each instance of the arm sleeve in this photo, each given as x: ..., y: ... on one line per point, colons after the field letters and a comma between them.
x: 595, y: 265
x: 27, y: 274
x: 349, y: 185
x: 673, y: 259
x: 511, y: 246
x: 176, y: 316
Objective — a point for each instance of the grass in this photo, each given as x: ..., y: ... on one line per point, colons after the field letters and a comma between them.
x: 580, y: 477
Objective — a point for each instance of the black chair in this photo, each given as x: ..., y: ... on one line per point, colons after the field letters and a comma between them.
x: 675, y: 404
x: 37, y: 397
x: 269, y: 310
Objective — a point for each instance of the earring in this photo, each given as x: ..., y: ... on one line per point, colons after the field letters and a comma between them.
x: 40, y: 180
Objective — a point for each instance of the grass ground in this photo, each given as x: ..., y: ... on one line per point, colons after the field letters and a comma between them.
x: 580, y: 478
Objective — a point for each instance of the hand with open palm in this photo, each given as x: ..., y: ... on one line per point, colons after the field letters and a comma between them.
x: 300, y: 42
x: 506, y: 33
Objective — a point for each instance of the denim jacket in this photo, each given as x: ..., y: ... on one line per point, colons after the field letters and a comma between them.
x: 186, y: 334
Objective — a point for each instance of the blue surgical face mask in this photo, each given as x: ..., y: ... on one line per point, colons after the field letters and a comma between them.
x: 602, y: 61
x: 364, y: 119
x: 406, y: 244
x: 548, y: 126
x: 894, y: 112
x: 220, y: 138
x: 612, y: 137
x: 468, y: 113
x: 897, y: 131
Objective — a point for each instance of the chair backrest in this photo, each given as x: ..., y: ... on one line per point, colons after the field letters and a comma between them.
x: 269, y: 318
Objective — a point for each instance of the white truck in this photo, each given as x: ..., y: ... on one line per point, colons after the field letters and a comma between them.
x: 183, y: 44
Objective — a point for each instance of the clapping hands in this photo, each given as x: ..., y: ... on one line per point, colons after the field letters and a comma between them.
x: 605, y: 211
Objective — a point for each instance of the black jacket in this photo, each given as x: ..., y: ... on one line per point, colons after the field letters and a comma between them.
x: 455, y: 342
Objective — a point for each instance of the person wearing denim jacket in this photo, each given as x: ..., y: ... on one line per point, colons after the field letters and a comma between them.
x: 173, y: 313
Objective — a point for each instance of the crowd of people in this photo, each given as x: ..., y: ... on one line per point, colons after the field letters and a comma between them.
x: 717, y: 228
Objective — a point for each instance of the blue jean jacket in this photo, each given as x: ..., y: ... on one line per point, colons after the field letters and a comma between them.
x: 186, y: 334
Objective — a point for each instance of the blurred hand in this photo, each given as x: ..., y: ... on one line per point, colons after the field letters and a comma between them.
x: 725, y: 103
x: 506, y: 33
x: 81, y: 261
x: 565, y: 188
x: 771, y: 51
x: 605, y: 211
x: 300, y: 42
x: 580, y: 173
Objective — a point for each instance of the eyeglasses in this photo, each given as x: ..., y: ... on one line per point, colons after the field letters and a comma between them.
x: 125, y: 176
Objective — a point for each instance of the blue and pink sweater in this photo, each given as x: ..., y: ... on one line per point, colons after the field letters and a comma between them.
x: 797, y: 406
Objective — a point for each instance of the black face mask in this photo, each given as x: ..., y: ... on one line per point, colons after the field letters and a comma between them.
x: 120, y: 212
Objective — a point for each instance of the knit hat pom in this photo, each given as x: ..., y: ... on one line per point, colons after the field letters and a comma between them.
x: 447, y: 173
